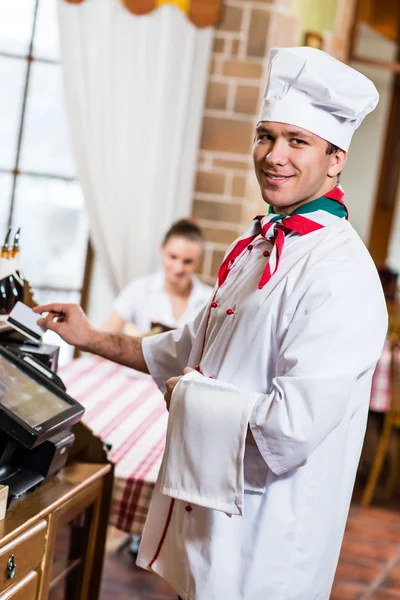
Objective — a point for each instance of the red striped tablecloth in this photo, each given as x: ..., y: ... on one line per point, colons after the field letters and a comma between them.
x: 126, y: 409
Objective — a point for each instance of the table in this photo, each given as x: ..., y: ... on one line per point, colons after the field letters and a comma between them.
x: 126, y: 409
x: 380, y: 392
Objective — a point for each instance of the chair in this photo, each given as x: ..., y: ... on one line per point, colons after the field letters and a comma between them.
x: 390, y: 432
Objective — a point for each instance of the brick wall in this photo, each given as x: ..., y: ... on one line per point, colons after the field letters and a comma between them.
x: 226, y: 195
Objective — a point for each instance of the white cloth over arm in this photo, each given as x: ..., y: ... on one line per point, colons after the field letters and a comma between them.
x: 205, y: 446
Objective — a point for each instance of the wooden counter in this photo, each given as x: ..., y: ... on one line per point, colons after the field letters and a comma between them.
x: 52, y: 540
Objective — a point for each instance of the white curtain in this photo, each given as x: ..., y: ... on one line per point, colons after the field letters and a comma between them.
x: 135, y: 89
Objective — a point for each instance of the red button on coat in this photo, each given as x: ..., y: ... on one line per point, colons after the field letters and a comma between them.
x: 214, y: 304
x: 188, y: 508
x: 230, y: 311
x: 266, y: 253
x: 197, y: 368
x: 249, y: 247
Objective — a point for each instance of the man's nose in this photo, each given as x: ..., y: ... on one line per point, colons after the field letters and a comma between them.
x: 278, y: 154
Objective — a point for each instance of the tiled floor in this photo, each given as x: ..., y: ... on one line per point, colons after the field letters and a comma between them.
x: 369, y: 566
x: 122, y: 580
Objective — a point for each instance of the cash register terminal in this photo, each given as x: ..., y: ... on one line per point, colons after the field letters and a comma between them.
x: 36, y: 417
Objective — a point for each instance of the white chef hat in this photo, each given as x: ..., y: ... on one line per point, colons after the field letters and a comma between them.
x: 308, y: 88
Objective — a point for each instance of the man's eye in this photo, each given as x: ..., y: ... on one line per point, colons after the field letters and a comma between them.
x: 298, y: 142
x: 265, y: 137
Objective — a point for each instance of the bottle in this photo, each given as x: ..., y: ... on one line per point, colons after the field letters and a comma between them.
x: 5, y: 249
x: 4, y: 274
x: 15, y: 250
x: 15, y: 255
x: 11, y: 284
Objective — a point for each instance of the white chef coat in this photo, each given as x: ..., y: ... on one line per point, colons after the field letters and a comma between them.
x: 306, y: 346
x: 145, y: 301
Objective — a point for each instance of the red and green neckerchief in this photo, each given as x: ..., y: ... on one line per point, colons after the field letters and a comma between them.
x: 307, y: 218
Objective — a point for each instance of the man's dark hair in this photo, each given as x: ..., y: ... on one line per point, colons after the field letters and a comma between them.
x: 184, y: 228
x: 331, y: 148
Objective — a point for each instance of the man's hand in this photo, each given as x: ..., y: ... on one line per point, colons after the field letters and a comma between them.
x: 69, y: 321
x: 170, y: 385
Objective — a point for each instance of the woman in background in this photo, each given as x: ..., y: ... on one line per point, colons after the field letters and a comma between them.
x: 171, y: 297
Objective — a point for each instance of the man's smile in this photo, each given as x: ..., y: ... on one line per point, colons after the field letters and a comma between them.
x: 276, y: 178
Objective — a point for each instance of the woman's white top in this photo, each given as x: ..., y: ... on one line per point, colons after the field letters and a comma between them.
x: 145, y: 301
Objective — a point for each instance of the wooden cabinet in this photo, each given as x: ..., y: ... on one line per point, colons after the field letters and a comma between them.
x: 26, y: 589
x: 23, y: 554
x: 52, y: 540
x: 71, y: 541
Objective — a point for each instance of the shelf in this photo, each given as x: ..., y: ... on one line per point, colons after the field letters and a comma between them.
x: 63, y: 574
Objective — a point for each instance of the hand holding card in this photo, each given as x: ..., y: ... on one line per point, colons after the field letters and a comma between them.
x: 23, y: 319
x: 69, y: 321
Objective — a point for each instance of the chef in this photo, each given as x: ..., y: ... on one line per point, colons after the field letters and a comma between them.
x: 267, y: 421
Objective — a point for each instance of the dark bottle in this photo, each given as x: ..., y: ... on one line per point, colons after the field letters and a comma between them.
x: 16, y: 257
x: 16, y: 250
x: 4, y: 274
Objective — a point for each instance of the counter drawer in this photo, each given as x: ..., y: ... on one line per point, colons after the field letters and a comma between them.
x: 26, y: 589
x: 22, y: 555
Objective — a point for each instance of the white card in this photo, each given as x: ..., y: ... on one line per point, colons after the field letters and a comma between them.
x: 23, y: 319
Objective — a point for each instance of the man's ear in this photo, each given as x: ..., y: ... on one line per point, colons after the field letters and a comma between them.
x: 337, y: 161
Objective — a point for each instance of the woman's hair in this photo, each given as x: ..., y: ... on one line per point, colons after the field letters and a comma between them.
x: 184, y: 228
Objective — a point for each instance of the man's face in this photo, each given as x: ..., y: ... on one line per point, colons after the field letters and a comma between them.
x: 292, y: 166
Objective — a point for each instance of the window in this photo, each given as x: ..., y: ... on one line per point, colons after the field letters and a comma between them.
x: 38, y: 184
